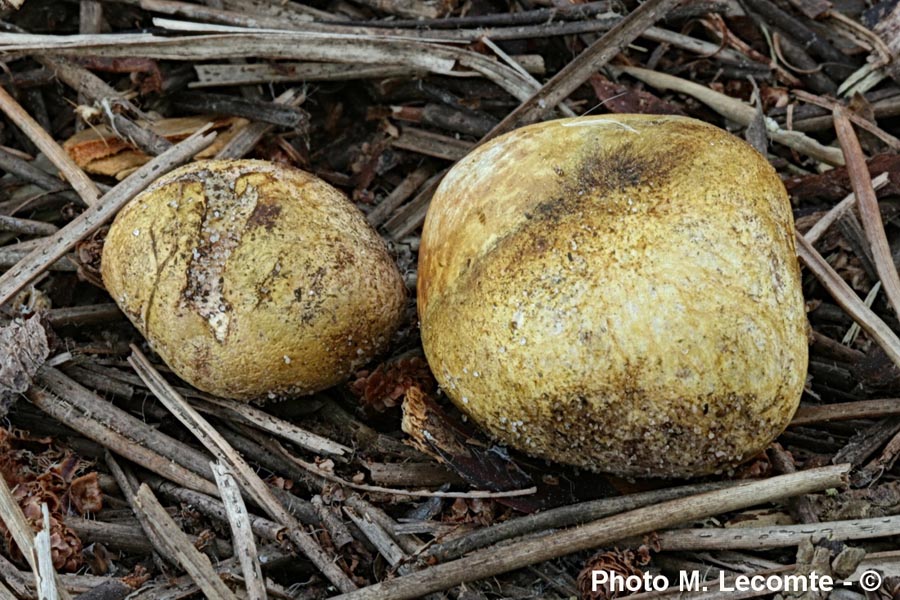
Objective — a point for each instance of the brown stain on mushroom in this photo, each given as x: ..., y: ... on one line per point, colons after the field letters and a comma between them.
x: 264, y: 215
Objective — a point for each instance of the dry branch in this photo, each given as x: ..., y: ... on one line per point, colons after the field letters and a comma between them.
x: 89, y: 427
x: 845, y: 411
x: 115, y: 419
x: 46, y: 574
x: 383, y: 542
x: 586, y: 64
x: 250, y: 134
x: 73, y: 174
x: 249, y: 480
x: 241, y: 532
x: 493, y: 561
x: 343, y: 48
x: 91, y: 219
x: 838, y: 210
x: 739, y: 112
x: 260, y: 419
x: 868, y: 208
x: 757, y: 538
x: 848, y: 300
x: 176, y: 544
x: 563, y: 516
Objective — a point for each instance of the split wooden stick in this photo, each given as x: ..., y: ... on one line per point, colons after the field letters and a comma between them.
x: 178, y: 545
x: 18, y: 527
x: 241, y: 531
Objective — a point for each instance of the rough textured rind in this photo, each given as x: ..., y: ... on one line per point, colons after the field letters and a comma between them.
x: 252, y: 279
x: 617, y: 292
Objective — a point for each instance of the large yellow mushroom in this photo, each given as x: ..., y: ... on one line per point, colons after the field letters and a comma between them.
x: 253, y: 280
x: 617, y: 292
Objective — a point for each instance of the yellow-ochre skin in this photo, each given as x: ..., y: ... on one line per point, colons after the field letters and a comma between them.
x: 253, y: 280
x: 619, y: 293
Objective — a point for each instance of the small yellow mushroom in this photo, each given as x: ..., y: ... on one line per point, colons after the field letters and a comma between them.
x: 253, y: 280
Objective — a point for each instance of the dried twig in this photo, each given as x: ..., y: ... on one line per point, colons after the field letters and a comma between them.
x: 586, y: 64
x: 495, y: 560
x: 115, y: 419
x: 868, y: 208
x: 386, y: 546
x: 563, y: 516
x: 6, y: 593
x: 15, y: 579
x: 250, y: 134
x: 284, y: 429
x: 84, y: 82
x: 601, y: 23
x: 409, y: 543
x: 213, y: 75
x: 330, y: 516
x: 73, y: 174
x: 777, y: 536
x: 93, y: 430
x: 213, y: 508
x: 90, y: 220
x: 241, y: 533
x: 332, y: 478
x: 46, y: 574
x: 846, y: 411
x: 176, y: 544
x: 26, y: 226
x: 411, y: 215
x: 857, y: 120
x: 432, y: 144
x: 838, y: 210
x: 848, y: 300
x: 737, y: 111
x: 28, y: 172
x: 343, y: 48
x: 127, y: 537
x: 879, y: 465
x: 249, y: 480
x: 400, y: 194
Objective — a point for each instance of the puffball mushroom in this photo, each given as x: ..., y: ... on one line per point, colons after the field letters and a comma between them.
x: 618, y: 292
x: 251, y: 279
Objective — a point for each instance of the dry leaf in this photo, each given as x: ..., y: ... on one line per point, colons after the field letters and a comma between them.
x: 86, y: 494
x: 99, y: 151
x: 47, y: 477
